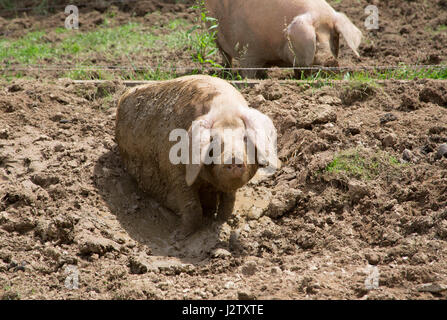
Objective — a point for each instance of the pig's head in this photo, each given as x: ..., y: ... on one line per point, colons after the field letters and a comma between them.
x: 232, y: 147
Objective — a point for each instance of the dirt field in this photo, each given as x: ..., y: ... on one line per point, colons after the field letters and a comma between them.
x: 358, y: 210
x: 343, y: 198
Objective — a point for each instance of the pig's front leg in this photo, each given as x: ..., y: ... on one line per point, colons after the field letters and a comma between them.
x: 190, y: 210
x: 250, y: 62
x: 226, y: 205
x: 227, y: 59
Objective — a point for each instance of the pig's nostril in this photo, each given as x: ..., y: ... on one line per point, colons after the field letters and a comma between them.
x: 234, y: 166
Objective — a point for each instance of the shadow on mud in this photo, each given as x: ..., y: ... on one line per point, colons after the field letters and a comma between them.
x: 146, y: 221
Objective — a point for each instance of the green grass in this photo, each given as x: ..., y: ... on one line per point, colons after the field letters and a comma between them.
x: 25, y: 49
x: 7, y: 5
x: 80, y: 48
x: 403, y: 72
x: 128, y: 39
x: 39, y: 6
x: 353, y: 164
x: 441, y: 28
x: 81, y: 74
x: 362, y: 165
x: 157, y: 47
x: 202, y: 36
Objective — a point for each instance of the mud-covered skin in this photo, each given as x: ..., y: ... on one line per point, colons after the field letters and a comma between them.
x: 283, y: 33
x: 147, y: 115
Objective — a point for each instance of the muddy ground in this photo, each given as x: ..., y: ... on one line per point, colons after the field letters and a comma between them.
x: 358, y: 211
x: 349, y: 201
x: 410, y: 32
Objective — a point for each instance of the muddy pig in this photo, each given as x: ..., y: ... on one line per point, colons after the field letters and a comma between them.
x: 285, y: 33
x: 191, y: 142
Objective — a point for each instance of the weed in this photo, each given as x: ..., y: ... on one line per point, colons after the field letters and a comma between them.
x: 202, y: 37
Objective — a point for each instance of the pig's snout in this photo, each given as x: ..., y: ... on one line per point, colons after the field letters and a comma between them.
x: 236, y: 168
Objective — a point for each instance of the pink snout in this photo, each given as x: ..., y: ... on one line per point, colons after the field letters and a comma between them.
x: 235, y: 170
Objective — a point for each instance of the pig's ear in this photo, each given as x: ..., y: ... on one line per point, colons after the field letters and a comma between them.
x: 199, y: 138
x: 350, y: 32
x: 302, y: 40
x: 262, y: 133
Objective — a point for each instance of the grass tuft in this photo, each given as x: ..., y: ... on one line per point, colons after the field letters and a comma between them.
x: 363, y: 165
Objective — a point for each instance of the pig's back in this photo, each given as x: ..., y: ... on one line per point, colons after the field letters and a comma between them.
x: 260, y: 24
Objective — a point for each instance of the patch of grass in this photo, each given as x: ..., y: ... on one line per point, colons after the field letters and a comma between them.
x: 158, y: 74
x: 107, y: 101
x: 85, y: 74
x: 26, y: 49
x: 42, y: 7
x: 362, y: 165
x: 80, y: 49
x: 110, y: 14
x: 126, y: 40
x: 438, y: 29
x: 403, y: 72
x: 353, y: 164
x: 60, y: 30
x: 162, y: 71
x: 7, y: 5
x: 177, y: 23
x: 394, y: 161
x: 359, y: 90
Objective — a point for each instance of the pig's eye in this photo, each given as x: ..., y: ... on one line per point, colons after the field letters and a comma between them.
x: 211, y: 153
x: 245, y: 138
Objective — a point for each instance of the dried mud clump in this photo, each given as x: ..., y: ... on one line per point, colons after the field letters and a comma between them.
x: 409, y: 103
x: 435, y: 93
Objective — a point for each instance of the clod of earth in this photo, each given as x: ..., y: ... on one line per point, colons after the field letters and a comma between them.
x: 442, y: 151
